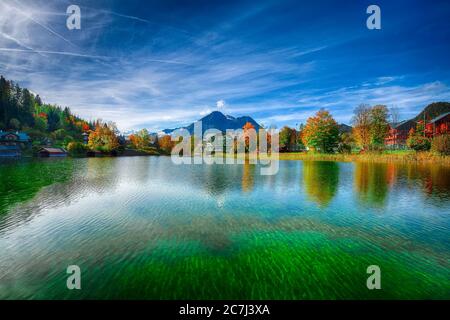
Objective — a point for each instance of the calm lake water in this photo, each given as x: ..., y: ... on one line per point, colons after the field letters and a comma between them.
x: 145, y: 228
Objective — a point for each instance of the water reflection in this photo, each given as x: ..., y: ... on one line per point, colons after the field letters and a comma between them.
x: 434, y: 179
x: 119, y: 210
x: 321, y: 181
x: 248, y: 176
x: 21, y: 180
x: 371, y: 182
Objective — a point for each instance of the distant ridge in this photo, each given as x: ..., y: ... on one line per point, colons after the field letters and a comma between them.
x: 433, y: 110
x: 217, y: 120
x: 343, y: 128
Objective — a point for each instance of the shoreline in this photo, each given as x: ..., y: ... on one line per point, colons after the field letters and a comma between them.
x: 404, y: 158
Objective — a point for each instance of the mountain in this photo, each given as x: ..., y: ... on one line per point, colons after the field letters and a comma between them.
x: 343, y: 128
x: 217, y: 120
x: 433, y: 110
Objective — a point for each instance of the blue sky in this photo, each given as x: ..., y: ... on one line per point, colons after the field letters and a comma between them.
x: 162, y: 64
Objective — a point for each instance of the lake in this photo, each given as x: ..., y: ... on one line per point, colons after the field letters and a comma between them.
x: 144, y: 228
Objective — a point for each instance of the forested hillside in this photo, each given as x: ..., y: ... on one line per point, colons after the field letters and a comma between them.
x: 433, y: 110
x: 22, y: 110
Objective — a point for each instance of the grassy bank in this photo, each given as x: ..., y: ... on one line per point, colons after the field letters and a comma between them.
x: 386, y: 156
x: 398, y: 156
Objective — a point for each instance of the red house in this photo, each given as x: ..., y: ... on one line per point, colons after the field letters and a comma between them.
x: 398, y: 133
x: 438, y: 125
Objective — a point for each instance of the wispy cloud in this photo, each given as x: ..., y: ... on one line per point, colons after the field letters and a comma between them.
x: 22, y: 10
x: 154, y: 67
x: 63, y: 53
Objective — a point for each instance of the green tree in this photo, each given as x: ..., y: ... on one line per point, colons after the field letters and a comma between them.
x: 144, y: 138
x: 40, y: 124
x: 346, y: 142
x: 285, y: 138
x: 288, y: 138
x: 14, y: 124
x: 379, y: 125
x: 417, y: 139
x: 299, y: 135
x: 5, y: 99
x: 27, y: 108
x: 53, y: 119
x: 38, y: 100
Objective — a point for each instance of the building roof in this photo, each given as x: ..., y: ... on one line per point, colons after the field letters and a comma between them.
x: 53, y: 150
x: 23, y: 137
x: 8, y: 148
x: 402, y: 124
x: 440, y: 117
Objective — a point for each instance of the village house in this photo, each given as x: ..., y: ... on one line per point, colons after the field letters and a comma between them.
x: 12, y: 143
x: 398, y: 134
x: 439, y: 125
x: 52, y: 152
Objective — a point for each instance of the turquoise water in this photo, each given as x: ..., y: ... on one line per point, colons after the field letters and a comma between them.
x: 145, y: 228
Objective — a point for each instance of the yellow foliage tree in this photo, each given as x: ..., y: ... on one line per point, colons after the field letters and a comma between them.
x: 103, y: 138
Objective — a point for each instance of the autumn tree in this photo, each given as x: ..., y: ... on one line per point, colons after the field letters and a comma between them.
x: 85, y: 127
x: 166, y: 144
x: 246, y: 128
x: 321, y: 132
x: 133, y: 139
x: 361, y: 126
x: 104, y: 137
x: 370, y: 126
x: 141, y: 139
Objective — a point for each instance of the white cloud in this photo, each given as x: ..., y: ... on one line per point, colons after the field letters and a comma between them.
x: 220, y: 104
x: 205, y: 112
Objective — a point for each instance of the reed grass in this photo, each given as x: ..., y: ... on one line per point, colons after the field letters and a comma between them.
x: 396, y: 156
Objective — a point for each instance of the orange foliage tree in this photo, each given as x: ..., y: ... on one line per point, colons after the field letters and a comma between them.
x: 361, y: 126
x: 166, y: 144
x: 104, y: 138
x: 321, y: 132
x: 141, y: 139
x: 247, y: 127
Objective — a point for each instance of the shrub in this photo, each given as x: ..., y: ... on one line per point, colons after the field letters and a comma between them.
x: 418, y: 142
x: 76, y: 148
x: 59, y: 134
x: 67, y: 140
x: 344, y: 148
x: 441, y: 144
